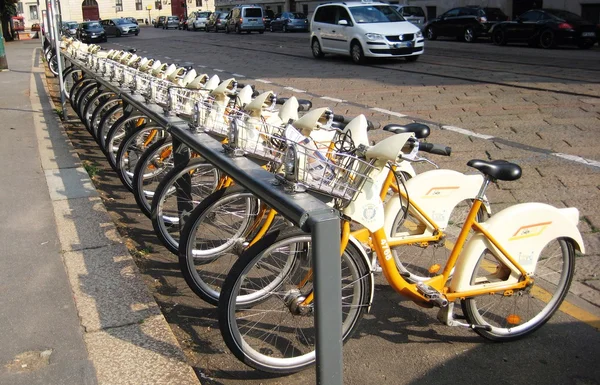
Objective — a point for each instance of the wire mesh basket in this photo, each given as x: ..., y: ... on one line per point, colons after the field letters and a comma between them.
x: 257, y: 137
x: 213, y: 116
x: 337, y: 174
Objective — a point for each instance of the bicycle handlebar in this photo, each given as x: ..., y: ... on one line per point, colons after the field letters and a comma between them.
x: 344, y: 120
x: 436, y: 149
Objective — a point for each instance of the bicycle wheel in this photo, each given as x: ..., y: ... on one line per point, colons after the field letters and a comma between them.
x: 514, y: 315
x: 152, y: 166
x: 212, y: 238
x: 78, y: 84
x: 423, y: 261
x: 182, y: 189
x: 92, y: 105
x: 70, y: 76
x: 84, y: 96
x: 104, y: 117
x: 86, y: 84
x: 53, y: 65
x: 132, y: 147
x: 117, y: 134
x: 261, y: 315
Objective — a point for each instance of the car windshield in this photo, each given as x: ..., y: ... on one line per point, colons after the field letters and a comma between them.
x: 122, y: 21
x: 297, y: 16
x: 413, y: 11
x: 70, y: 25
x: 564, y: 14
x: 375, y: 14
x: 91, y: 25
x: 203, y: 14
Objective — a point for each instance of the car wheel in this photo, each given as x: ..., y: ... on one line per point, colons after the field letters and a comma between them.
x: 357, y: 53
x: 316, y: 49
x: 118, y: 33
x: 261, y: 32
x: 430, y: 32
x: 238, y: 30
x: 412, y: 59
x: 226, y: 29
x: 137, y: 33
x: 284, y: 28
x: 469, y: 35
x: 547, y: 39
x: 499, y: 38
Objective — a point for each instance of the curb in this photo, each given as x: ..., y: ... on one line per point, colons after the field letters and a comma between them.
x: 127, y: 338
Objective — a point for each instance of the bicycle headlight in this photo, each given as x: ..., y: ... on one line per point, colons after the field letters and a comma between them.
x: 290, y: 162
x: 374, y: 36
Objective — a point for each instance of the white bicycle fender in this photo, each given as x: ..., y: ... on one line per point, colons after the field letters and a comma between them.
x: 523, y: 230
x: 436, y: 192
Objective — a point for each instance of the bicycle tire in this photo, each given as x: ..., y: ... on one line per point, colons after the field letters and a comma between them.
x: 197, y: 176
x: 92, y: 105
x: 104, y: 117
x: 273, y: 353
x: 70, y: 77
x: 83, y: 98
x: 211, y: 238
x: 117, y: 133
x: 77, y: 89
x: 150, y: 169
x: 131, y: 148
x: 78, y: 83
x: 502, y: 313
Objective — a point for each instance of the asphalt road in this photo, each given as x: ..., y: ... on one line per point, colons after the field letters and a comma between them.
x: 538, y: 108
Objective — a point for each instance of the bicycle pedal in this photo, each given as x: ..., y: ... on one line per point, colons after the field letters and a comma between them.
x: 432, y: 294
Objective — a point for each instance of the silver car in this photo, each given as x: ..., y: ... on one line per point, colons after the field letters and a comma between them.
x: 70, y: 27
x: 120, y: 27
x: 413, y: 14
x: 171, y: 22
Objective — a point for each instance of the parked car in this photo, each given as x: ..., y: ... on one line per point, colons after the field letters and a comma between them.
x: 69, y: 28
x: 119, y: 27
x: 268, y: 16
x: 412, y: 13
x: 464, y: 23
x: 35, y: 27
x: 547, y: 28
x: 160, y: 22
x: 91, y: 31
x: 289, y: 21
x: 363, y: 30
x: 171, y: 22
x: 198, y: 20
x: 245, y: 18
x: 216, y: 21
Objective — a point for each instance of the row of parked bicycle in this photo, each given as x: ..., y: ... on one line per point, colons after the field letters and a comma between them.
x: 430, y: 233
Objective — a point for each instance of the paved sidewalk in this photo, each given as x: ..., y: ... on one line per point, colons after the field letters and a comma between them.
x: 73, y: 308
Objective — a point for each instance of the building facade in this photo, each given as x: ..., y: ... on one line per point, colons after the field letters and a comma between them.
x: 589, y: 9
x: 142, y: 10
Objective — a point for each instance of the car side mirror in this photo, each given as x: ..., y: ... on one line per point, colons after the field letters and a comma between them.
x: 343, y: 22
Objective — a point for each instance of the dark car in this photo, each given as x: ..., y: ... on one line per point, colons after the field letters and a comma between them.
x: 268, y: 16
x: 289, y: 21
x: 216, y: 21
x: 160, y: 21
x: 547, y: 28
x: 464, y: 23
x: 91, y: 31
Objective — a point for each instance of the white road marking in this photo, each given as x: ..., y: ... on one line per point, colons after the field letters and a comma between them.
x: 467, y: 132
x: 168, y: 58
x: 397, y: 114
x: 239, y: 76
x: 218, y: 70
x: 264, y: 81
x: 333, y: 99
x: 201, y: 66
x: 294, y: 89
x: 578, y: 159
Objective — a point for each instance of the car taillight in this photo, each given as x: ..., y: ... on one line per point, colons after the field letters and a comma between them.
x: 565, y: 26
x: 241, y: 20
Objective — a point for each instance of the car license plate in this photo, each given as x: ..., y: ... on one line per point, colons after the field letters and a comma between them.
x: 588, y: 34
x: 402, y: 45
x: 252, y: 20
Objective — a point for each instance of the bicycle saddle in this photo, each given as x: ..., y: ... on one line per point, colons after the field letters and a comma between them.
x: 198, y: 83
x: 420, y: 130
x: 497, y: 169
